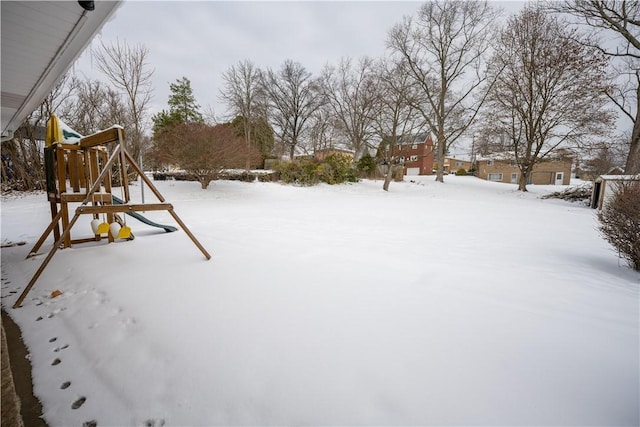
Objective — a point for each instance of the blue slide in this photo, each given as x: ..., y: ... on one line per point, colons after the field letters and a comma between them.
x: 167, y: 228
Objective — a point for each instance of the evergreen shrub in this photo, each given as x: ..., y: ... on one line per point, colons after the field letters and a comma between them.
x: 367, y: 165
x: 334, y: 169
x: 340, y: 169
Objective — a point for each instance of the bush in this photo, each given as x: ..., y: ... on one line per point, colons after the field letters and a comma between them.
x: 334, y: 169
x: 461, y: 172
x: 337, y: 169
x: 303, y: 172
x: 620, y: 222
x: 367, y: 165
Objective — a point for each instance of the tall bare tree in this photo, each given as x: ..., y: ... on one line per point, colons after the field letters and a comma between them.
x: 94, y: 106
x: 550, y: 89
x: 243, y: 95
x: 292, y: 97
x: 351, y: 92
x: 395, y: 116
x: 619, y: 19
x: 444, y: 50
x: 322, y: 132
x: 127, y: 69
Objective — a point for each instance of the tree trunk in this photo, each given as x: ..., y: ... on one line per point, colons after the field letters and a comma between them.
x: 387, y: 179
x: 441, y: 149
x: 632, y: 167
x: 247, y: 134
x: 523, y: 179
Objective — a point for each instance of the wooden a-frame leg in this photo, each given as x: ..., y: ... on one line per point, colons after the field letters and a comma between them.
x: 52, y: 226
x: 191, y: 236
x: 175, y: 216
x: 44, y: 264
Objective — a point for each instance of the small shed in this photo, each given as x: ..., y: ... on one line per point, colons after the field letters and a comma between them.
x: 604, y: 187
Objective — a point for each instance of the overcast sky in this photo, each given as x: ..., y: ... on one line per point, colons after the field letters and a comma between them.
x: 201, y: 40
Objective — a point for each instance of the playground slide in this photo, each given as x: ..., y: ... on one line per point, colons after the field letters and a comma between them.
x: 167, y: 228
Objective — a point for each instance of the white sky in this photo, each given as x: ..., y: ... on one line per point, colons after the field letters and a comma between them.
x: 201, y: 40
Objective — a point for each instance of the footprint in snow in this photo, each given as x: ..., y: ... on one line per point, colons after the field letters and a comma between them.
x: 78, y: 403
x: 92, y: 423
x: 53, y: 339
x: 57, y: 349
x: 55, y: 362
x: 65, y: 385
x: 154, y: 423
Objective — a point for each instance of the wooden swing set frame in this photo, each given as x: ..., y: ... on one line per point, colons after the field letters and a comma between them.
x: 87, y: 165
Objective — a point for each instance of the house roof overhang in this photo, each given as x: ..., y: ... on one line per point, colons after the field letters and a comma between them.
x: 40, y: 41
x: 618, y: 178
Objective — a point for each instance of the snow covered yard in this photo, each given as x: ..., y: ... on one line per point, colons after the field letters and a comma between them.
x: 467, y: 303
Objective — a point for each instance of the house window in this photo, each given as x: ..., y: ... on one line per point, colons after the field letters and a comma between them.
x: 414, y: 158
x: 414, y: 147
x: 514, y: 178
x: 494, y: 177
x: 512, y: 163
x: 459, y: 164
x: 489, y: 162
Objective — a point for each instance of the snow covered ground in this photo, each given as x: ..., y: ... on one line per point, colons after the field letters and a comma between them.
x: 467, y: 303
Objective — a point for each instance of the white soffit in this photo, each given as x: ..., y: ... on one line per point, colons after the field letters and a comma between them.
x: 40, y: 42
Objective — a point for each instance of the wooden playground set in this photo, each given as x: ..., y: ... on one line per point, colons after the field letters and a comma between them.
x: 83, y: 173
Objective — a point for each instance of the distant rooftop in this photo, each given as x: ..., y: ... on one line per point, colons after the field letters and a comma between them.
x: 416, y: 138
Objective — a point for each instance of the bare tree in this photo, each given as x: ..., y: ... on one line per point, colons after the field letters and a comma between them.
x: 444, y: 51
x: 94, y: 106
x: 292, y: 97
x: 322, y: 130
x: 350, y: 91
x: 619, y: 19
x: 395, y: 117
x: 244, y: 96
x: 202, y: 150
x: 126, y: 67
x: 22, y: 160
x: 550, y: 89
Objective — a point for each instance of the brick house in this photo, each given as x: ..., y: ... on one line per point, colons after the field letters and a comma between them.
x: 416, y: 152
x: 322, y: 153
x: 453, y: 165
x: 501, y: 167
